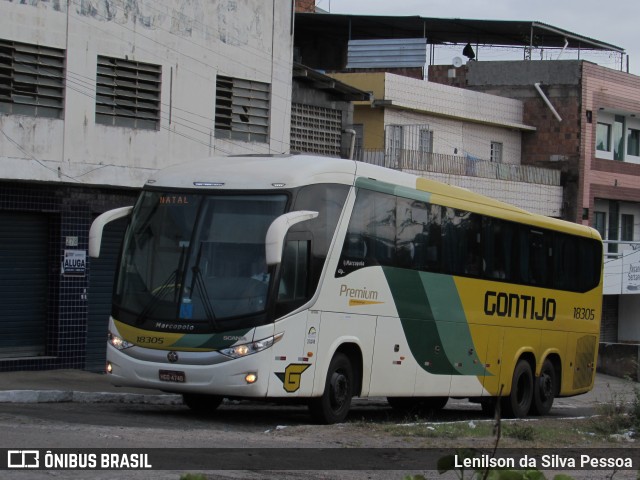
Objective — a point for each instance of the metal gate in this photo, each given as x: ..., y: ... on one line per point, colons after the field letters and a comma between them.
x: 23, y: 283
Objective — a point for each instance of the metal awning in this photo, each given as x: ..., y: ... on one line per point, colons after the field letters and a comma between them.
x: 443, y: 31
x: 324, y: 82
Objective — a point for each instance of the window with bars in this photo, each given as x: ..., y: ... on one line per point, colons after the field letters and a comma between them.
x: 600, y: 223
x: 242, y: 109
x: 626, y: 227
x: 316, y: 129
x: 31, y: 79
x: 496, y: 152
x: 128, y: 93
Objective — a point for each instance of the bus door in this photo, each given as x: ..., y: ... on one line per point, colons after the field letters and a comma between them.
x: 490, y: 356
x: 465, y: 349
x: 394, y: 368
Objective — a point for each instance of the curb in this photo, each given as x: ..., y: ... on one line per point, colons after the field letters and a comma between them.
x: 62, y: 396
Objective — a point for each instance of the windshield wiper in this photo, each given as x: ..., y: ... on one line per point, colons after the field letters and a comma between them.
x: 198, y: 281
x: 167, y: 285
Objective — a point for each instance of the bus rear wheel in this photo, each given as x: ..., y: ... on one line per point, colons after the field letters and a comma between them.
x: 334, y: 404
x: 518, y: 403
x: 544, y: 390
x: 201, y: 403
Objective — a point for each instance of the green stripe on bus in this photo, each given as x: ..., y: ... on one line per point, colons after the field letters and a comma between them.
x: 417, y: 320
x: 433, y: 321
x: 453, y: 326
x: 391, y: 189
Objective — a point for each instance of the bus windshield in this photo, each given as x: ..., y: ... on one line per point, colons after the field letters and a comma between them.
x: 194, y: 262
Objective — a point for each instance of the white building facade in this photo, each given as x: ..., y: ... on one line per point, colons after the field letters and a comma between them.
x: 95, y: 95
x: 460, y: 137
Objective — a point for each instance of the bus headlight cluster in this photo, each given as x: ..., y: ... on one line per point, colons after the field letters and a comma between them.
x: 245, y: 349
x: 119, y: 343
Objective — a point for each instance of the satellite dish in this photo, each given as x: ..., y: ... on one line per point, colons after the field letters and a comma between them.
x: 457, y: 62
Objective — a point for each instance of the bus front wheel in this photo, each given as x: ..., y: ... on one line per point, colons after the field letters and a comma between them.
x: 518, y: 403
x: 201, y: 403
x: 544, y: 390
x: 333, y: 406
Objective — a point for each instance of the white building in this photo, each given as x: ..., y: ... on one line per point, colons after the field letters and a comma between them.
x: 461, y: 137
x: 94, y: 96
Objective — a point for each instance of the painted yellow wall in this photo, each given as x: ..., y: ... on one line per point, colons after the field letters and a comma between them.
x: 364, y: 113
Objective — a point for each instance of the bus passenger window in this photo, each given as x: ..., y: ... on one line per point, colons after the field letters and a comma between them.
x: 412, y: 219
x: 374, y: 221
x: 461, y: 243
x: 295, y: 264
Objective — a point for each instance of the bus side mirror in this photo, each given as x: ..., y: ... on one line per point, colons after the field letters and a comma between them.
x: 274, y: 241
x: 95, y: 232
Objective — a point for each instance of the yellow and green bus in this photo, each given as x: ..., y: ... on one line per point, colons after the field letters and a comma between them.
x: 321, y: 279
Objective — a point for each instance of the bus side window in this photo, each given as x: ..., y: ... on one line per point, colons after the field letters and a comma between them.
x: 565, y: 262
x: 590, y: 264
x: 497, y: 248
x: 462, y: 236
x: 295, y: 271
x: 411, y: 221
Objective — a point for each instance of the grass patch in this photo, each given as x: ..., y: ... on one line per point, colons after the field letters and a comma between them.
x: 617, y: 417
x: 530, y: 433
x: 440, y: 430
x: 525, y: 433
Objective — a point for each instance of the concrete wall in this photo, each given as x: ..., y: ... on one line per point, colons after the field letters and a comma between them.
x: 620, y: 360
x: 629, y: 318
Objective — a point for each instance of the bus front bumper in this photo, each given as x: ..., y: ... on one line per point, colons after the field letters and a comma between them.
x: 240, y: 377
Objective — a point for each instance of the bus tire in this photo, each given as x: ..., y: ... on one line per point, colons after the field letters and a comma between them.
x: 545, y: 389
x: 201, y: 403
x: 335, y: 402
x: 518, y: 403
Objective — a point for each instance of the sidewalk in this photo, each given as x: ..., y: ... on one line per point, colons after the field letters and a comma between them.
x: 49, y: 386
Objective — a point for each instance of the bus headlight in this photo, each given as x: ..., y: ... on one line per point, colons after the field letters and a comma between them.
x: 245, y: 349
x: 119, y: 343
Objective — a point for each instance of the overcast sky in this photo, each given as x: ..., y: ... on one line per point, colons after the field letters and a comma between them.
x: 616, y: 22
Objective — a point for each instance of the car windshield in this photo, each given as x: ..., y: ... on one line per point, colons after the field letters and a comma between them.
x: 196, y: 260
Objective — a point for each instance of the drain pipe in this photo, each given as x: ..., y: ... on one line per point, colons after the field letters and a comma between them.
x: 566, y: 44
x: 352, y: 145
x: 546, y: 100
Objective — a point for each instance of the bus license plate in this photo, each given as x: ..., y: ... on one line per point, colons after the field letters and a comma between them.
x: 172, y: 376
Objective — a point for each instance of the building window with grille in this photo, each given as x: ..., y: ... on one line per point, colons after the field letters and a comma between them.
x: 242, y: 109
x: 633, y: 142
x: 31, y: 80
x: 316, y: 130
x: 496, y: 152
x: 626, y: 228
x: 394, y: 145
x: 603, y: 137
x: 128, y: 93
x: 600, y: 223
x: 425, y: 145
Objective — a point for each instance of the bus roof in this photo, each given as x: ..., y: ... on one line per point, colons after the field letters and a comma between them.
x: 264, y: 172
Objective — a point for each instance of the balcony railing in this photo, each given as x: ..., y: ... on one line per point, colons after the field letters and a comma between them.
x: 458, y: 165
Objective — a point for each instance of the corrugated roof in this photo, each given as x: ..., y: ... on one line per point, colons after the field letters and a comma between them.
x: 447, y: 31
